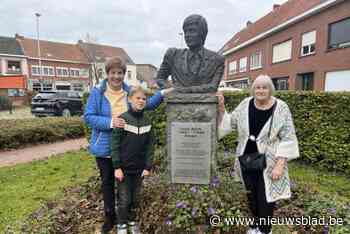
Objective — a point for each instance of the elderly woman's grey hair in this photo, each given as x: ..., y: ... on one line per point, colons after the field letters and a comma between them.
x: 263, y: 79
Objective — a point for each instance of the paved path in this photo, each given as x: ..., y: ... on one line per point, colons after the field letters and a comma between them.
x: 8, y: 158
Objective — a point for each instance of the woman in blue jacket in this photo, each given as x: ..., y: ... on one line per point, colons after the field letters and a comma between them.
x: 105, y: 104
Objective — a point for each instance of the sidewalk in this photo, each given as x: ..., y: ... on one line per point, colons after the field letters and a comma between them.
x: 12, y: 157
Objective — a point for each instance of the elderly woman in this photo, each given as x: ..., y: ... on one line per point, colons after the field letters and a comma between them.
x: 104, y: 106
x: 265, y: 126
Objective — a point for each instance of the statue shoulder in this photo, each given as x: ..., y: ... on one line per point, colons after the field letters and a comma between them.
x: 172, y: 51
x: 214, y: 55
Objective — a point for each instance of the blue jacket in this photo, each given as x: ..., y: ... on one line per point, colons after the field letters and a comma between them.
x: 98, y: 117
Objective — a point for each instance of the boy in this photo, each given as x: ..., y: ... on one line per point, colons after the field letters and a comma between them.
x: 132, y: 152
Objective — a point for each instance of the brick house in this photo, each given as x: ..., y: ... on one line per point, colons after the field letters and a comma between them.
x: 13, y: 70
x: 147, y: 73
x: 63, y: 66
x: 302, y: 45
x: 97, y: 55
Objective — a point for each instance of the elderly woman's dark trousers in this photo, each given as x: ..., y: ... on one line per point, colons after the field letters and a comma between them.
x: 128, y: 197
x: 258, y: 205
x: 107, y: 176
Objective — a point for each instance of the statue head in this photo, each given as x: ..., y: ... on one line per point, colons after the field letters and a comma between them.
x: 195, y: 28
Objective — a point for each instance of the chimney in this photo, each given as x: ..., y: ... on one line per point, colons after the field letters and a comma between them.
x: 249, y: 23
x: 275, y: 6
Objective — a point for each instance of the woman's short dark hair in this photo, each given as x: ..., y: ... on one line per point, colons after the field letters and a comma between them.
x: 115, y: 62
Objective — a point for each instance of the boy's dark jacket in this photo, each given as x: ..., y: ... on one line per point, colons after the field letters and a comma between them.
x: 132, y: 147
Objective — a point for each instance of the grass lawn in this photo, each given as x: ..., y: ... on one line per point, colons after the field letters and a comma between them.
x: 19, y: 112
x: 24, y: 187
x: 321, y: 179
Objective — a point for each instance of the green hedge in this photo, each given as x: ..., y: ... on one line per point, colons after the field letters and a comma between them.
x: 322, y: 122
x: 16, y: 133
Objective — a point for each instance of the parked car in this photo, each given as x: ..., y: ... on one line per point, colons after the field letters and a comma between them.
x: 57, y: 104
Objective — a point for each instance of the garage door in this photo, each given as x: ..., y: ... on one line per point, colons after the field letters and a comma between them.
x: 338, y: 81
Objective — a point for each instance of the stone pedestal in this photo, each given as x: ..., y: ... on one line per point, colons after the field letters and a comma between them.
x: 191, y: 137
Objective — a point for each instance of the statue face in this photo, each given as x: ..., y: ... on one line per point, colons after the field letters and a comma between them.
x: 193, y: 35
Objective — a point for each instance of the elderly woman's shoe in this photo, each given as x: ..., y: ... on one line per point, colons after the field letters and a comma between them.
x: 122, y: 229
x: 134, y: 228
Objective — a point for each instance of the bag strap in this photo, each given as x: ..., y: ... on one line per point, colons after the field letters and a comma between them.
x: 273, y: 112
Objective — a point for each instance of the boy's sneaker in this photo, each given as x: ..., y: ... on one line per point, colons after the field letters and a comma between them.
x: 253, y: 231
x: 122, y: 229
x: 134, y: 228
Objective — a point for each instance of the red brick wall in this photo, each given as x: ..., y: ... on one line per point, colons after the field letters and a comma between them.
x: 321, y: 62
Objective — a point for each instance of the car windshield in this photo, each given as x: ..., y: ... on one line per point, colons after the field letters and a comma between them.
x: 45, y: 95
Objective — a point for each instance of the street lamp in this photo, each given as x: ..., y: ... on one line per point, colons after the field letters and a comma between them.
x: 37, y: 32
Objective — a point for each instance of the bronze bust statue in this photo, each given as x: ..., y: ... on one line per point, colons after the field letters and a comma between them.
x: 196, y: 69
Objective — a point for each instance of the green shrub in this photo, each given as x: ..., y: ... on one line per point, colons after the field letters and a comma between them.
x: 322, y: 122
x: 16, y: 133
x: 321, y: 119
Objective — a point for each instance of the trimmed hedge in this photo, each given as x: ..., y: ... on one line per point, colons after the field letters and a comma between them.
x: 16, y: 133
x: 322, y: 122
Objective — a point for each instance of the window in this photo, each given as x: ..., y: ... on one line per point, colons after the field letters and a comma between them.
x: 243, y: 64
x: 78, y: 87
x: 62, y: 71
x: 282, y: 52
x: 339, y: 34
x: 308, y: 43
x: 242, y: 83
x: 35, y: 70
x: 48, y: 71
x: 74, y: 72
x: 15, y: 92
x: 13, y: 67
x: 280, y: 83
x: 255, y: 60
x: 36, y: 86
x: 307, y: 81
x: 232, y: 67
x: 129, y: 75
x: 47, y: 86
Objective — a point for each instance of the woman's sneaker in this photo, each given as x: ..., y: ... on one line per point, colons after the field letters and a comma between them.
x: 134, y: 228
x: 122, y: 229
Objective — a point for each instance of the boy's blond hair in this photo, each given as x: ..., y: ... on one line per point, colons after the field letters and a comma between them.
x: 136, y: 89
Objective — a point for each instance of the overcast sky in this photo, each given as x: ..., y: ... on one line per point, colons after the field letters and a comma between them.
x: 144, y: 28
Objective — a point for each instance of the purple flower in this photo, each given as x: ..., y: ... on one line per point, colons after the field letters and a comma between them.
x: 193, y: 189
x: 215, y: 181
x: 180, y: 204
x: 211, y: 211
x: 325, y: 229
x: 168, y: 221
x: 232, y: 173
x: 194, y: 212
x: 332, y: 210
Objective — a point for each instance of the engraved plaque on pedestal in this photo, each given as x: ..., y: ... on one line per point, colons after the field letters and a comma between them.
x: 190, y: 151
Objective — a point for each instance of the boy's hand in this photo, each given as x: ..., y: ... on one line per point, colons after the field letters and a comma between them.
x: 118, y: 174
x: 145, y: 173
x: 118, y: 122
